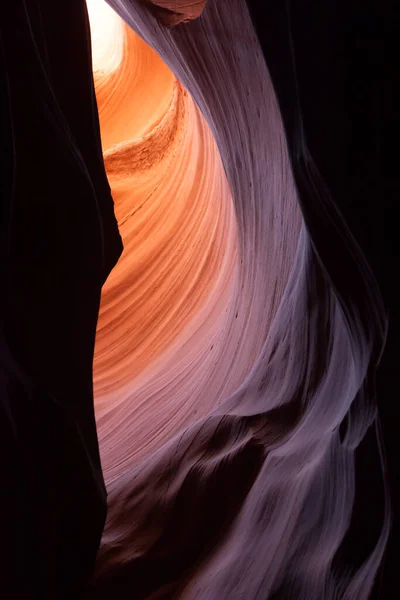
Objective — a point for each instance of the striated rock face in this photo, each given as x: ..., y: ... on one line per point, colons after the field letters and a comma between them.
x: 227, y: 357
x: 165, y: 302
x: 236, y: 336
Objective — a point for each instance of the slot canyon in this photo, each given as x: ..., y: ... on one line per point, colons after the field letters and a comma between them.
x: 197, y: 323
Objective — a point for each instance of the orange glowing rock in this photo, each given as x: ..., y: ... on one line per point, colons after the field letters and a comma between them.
x: 177, y: 221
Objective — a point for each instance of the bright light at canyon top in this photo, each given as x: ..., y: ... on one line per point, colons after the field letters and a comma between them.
x: 108, y: 35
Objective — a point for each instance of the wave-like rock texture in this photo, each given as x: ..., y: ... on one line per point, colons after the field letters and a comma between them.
x: 173, y: 282
x: 232, y: 375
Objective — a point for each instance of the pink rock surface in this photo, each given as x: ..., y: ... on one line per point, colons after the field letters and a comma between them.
x: 225, y: 362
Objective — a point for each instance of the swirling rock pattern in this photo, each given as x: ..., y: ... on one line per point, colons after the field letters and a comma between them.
x: 171, y: 286
x: 225, y: 359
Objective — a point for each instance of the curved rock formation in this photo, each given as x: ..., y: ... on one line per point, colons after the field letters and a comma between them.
x: 134, y: 88
x: 239, y: 334
x: 218, y: 453
x: 172, y: 284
